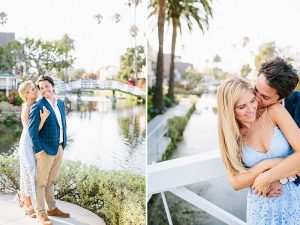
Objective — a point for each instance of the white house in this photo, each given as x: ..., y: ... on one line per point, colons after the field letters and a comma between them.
x: 7, y: 82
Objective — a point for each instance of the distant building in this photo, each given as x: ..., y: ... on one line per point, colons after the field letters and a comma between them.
x: 6, y: 37
x: 8, y: 82
x: 151, y: 65
x: 180, y: 67
x: 108, y: 72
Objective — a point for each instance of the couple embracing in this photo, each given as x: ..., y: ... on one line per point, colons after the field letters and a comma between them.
x: 41, y: 149
x: 259, y: 139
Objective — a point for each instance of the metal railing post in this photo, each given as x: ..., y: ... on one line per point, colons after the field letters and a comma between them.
x: 166, y: 207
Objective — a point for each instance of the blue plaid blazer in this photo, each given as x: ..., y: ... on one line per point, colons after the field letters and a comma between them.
x: 47, y: 138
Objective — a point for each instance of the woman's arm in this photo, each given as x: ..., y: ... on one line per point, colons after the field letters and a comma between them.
x: 246, y: 179
x: 44, y: 115
x: 289, y: 166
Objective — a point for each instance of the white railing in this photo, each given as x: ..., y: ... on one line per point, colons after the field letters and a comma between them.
x: 103, y: 85
x: 157, y: 142
x: 173, y: 175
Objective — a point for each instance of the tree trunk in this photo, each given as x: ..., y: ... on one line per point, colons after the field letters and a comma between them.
x: 172, y: 64
x: 158, y: 93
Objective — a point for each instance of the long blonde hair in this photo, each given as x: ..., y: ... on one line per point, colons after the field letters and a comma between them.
x: 230, y: 138
x: 24, y: 88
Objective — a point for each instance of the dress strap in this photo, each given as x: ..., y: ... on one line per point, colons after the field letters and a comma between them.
x: 270, y: 118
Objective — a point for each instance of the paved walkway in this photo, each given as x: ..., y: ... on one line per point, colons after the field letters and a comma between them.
x: 179, y: 110
x: 12, y: 214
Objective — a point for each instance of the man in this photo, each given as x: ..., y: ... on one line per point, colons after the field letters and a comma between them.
x: 276, y: 83
x: 48, y: 145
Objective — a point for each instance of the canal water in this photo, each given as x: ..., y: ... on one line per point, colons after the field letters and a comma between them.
x: 200, y: 136
x: 100, y: 132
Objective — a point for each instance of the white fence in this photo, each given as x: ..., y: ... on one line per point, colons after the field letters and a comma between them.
x: 173, y: 175
x: 157, y: 142
x: 103, y: 85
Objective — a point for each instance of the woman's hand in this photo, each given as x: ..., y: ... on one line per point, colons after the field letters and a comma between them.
x: 261, y: 185
x: 44, y: 114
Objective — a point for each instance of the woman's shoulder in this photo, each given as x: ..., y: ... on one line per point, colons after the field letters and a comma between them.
x: 275, y: 108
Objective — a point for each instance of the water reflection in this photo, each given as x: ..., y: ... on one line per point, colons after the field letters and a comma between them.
x: 9, y: 133
x: 110, y: 134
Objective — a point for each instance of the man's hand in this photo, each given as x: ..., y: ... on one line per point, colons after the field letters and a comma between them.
x: 261, y: 185
x: 275, y: 189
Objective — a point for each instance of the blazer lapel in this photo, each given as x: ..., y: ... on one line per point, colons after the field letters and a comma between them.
x: 49, y: 107
x: 60, y: 106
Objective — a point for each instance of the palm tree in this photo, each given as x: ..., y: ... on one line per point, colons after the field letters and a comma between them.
x: 99, y: 18
x: 3, y: 18
x: 188, y: 11
x: 159, y: 7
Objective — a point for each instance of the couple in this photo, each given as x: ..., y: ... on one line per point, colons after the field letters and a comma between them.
x: 41, y: 148
x: 260, y: 141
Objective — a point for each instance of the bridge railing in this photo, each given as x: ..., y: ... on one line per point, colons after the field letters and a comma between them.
x: 156, y: 147
x: 103, y: 85
x: 173, y: 175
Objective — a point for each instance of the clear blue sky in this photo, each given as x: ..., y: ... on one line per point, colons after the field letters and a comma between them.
x: 96, y: 44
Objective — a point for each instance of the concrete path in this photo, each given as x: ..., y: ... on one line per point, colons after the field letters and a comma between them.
x: 179, y: 110
x: 12, y: 214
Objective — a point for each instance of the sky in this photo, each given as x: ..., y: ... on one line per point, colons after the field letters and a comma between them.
x: 96, y: 45
x: 260, y: 20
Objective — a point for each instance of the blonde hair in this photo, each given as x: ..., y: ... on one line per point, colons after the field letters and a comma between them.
x: 230, y: 138
x: 24, y: 88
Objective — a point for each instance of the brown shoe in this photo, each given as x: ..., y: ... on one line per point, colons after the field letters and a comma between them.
x: 57, y: 212
x: 43, y: 219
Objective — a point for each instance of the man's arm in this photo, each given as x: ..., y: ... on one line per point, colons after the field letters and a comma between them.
x: 246, y: 179
x: 34, y: 122
x: 289, y: 166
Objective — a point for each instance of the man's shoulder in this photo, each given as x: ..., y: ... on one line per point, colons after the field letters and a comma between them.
x: 293, y: 98
x: 38, y: 104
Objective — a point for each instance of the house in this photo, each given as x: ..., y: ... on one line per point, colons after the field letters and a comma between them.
x: 6, y: 37
x: 151, y: 65
x: 180, y: 67
x: 8, y: 81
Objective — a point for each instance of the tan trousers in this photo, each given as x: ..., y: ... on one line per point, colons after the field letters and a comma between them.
x: 47, y: 172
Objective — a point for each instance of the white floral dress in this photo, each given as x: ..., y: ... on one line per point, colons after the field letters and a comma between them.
x: 27, y: 164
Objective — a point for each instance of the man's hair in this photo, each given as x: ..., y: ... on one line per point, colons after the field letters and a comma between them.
x: 42, y: 78
x: 281, y: 76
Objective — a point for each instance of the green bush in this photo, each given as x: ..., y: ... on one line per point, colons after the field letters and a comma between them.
x: 5, y: 106
x: 176, y: 127
x: 167, y: 101
x: 117, y: 196
x: 3, y: 97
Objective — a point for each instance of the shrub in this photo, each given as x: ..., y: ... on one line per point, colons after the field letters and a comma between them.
x: 176, y: 127
x: 167, y: 101
x: 5, y: 106
x: 3, y: 97
x: 117, y: 196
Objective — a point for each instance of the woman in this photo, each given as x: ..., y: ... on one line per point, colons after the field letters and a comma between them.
x: 28, y: 93
x: 252, y: 143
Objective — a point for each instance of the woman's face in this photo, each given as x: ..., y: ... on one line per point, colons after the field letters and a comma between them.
x: 245, y: 108
x: 31, y: 93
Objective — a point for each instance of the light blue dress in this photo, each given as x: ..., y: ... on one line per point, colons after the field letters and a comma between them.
x: 283, y: 210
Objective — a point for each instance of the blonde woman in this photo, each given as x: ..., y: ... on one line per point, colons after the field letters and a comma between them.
x: 26, y: 195
x: 253, y: 144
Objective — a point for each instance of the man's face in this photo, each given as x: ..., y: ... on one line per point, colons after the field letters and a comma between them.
x: 46, y: 89
x: 265, y: 95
